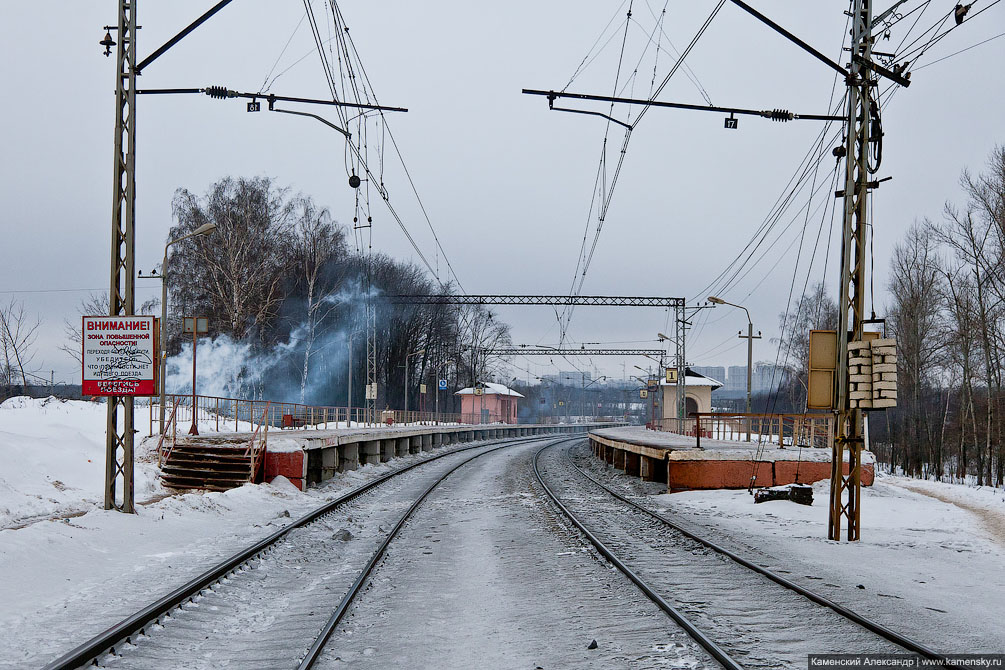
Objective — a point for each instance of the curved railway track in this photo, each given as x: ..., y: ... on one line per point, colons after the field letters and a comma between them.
x: 262, y: 607
x: 296, y: 553
x: 744, y: 615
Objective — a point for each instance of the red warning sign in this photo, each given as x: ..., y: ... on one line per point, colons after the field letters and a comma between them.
x: 119, y: 355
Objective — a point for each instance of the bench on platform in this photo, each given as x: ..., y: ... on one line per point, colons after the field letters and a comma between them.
x: 294, y: 421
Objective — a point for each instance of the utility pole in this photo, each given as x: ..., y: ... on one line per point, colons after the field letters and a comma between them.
x: 845, y: 494
x: 750, y: 337
x: 121, y: 294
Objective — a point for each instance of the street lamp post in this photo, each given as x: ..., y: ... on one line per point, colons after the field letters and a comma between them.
x: 652, y: 401
x: 681, y: 371
x: 750, y: 346
x: 204, y: 229
x: 407, y: 356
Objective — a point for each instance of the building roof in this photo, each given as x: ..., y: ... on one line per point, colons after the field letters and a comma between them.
x: 692, y: 378
x: 491, y: 388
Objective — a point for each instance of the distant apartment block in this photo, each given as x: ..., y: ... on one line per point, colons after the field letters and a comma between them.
x: 765, y: 379
x: 716, y: 372
x: 569, y: 378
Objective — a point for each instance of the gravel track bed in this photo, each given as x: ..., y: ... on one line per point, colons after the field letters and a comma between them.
x: 756, y: 621
x: 487, y: 574
x: 267, y: 615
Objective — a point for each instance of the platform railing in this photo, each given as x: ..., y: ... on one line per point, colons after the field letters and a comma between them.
x: 241, y: 415
x: 783, y: 430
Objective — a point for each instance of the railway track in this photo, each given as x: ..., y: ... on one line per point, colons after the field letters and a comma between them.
x: 744, y: 615
x: 244, y: 611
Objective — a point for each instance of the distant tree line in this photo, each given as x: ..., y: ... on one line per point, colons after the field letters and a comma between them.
x: 947, y: 311
x: 279, y: 273
x: 947, y: 289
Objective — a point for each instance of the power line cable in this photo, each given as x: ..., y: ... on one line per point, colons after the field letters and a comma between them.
x: 957, y: 53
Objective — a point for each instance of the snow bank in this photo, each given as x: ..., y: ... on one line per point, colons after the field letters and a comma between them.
x: 53, y: 454
x: 928, y: 563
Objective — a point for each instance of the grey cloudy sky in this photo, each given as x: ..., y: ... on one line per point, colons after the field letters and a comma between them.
x: 506, y: 182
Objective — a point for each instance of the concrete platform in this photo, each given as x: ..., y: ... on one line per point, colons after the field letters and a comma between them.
x: 719, y: 464
x: 307, y: 457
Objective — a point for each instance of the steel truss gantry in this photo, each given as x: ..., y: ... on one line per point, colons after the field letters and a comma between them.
x: 682, y: 316
x: 532, y: 351
x: 505, y: 299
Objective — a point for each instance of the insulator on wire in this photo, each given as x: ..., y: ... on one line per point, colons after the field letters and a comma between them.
x: 218, y: 92
x: 780, y: 115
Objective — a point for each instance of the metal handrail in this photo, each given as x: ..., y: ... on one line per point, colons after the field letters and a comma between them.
x: 251, y: 450
x: 161, y: 457
x: 803, y: 429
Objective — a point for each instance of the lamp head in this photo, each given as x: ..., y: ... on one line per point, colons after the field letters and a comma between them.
x: 108, y: 42
x: 717, y: 301
x: 204, y: 229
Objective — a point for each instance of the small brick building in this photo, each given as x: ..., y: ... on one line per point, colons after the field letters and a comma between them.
x: 495, y: 403
x: 697, y: 394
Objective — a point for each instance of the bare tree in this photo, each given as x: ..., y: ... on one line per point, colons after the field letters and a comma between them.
x: 815, y: 311
x: 18, y: 332
x: 916, y: 289
x: 318, y: 244
x: 94, y: 305
x: 234, y: 275
x: 483, y: 330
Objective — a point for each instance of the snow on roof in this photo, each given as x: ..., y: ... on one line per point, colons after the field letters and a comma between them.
x: 692, y: 378
x: 491, y: 388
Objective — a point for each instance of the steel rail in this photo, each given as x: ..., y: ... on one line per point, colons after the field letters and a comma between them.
x: 105, y: 642
x: 711, y: 647
x: 851, y: 615
x: 314, y: 653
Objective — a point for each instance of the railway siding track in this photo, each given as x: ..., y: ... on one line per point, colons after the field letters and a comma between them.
x: 752, y: 616
x: 193, y: 594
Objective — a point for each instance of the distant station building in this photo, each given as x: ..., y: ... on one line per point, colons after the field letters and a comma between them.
x: 697, y: 394
x: 488, y: 403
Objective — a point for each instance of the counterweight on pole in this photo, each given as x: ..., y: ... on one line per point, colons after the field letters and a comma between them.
x: 845, y: 494
x: 121, y: 300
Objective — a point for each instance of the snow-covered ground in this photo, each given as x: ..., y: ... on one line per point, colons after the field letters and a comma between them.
x: 929, y: 563
x: 53, y: 458
x: 71, y: 568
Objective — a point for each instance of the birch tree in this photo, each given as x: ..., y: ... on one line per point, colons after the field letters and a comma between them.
x: 318, y: 245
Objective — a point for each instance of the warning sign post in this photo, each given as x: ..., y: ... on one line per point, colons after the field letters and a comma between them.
x: 119, y: 356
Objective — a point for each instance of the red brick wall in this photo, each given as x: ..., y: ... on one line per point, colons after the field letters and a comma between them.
x: 713, y: 474
x: 289, y: 464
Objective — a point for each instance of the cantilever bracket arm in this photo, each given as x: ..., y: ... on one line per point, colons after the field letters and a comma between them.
x: 882, y: 71
x: 315, y: 116
x: 774, y: 114
x: 180, y: 36
x: 792, y: 38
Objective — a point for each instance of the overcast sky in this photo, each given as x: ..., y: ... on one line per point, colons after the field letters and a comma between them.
x: 507, y: 183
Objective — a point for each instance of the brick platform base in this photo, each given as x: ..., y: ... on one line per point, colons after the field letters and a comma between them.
x: 289, y: 464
